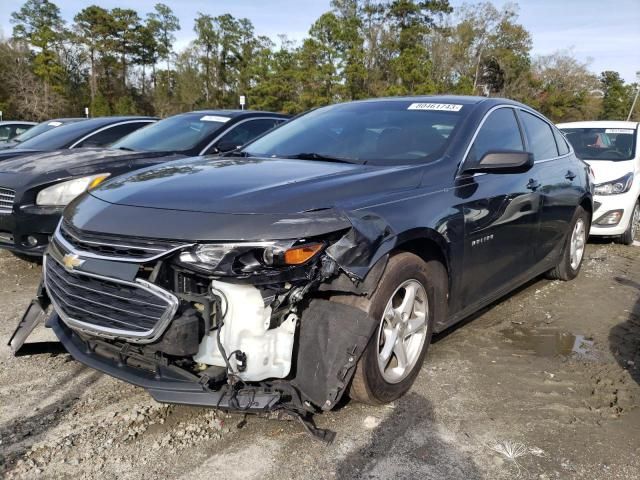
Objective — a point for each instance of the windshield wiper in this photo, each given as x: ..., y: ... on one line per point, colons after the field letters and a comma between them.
x: 126, y: 149
x: 323, y: 158
x: 236, y: 152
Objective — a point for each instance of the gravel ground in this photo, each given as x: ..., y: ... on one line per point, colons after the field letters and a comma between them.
x: 543, y: 385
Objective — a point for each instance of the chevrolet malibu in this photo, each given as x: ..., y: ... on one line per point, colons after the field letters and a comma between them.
x: 317, y: 260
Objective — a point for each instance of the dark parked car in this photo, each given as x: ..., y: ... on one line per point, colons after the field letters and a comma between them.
x: 348, y: 236
x: 37, y: 130
x: 34, y: 189
x: 93, y: 132
x: 9, y: 129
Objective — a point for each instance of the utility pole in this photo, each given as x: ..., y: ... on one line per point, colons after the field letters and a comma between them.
x: 635, y: 99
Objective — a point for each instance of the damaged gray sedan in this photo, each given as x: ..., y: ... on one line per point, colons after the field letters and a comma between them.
x: 318, y: 260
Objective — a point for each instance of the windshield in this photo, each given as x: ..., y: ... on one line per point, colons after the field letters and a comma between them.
x: 58, y: 137
x: 174, y: 134
x: 614, y: 144
x: 37, y: 130
x: 380, y: 132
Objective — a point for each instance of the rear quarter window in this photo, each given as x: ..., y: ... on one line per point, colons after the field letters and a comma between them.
x: 563, y: 148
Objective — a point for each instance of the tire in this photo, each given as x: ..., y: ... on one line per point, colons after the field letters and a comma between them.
x: 405, y: 272
x: 633, y: 230
x: 567, y: 269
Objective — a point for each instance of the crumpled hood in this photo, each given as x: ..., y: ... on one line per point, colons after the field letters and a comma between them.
x: 606, y: 171
x: 254, y: 185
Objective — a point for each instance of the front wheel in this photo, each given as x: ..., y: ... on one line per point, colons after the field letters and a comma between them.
x: 574, y: 247
x: 628, y: 237
x: 410, y: 298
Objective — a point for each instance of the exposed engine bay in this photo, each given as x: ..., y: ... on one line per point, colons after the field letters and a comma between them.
x: 238, y: 326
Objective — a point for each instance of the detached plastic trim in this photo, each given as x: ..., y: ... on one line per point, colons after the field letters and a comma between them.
x: 162, y: 386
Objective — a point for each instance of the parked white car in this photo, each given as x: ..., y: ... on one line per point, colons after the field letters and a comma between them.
x: 611, y: 149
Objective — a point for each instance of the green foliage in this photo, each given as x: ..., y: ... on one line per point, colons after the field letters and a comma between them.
x: 125, y: 106
x: 38, y: 23
x: 162, y: 23
x: 617, y: 98
x: 100, y: 106
x: 110, y: 60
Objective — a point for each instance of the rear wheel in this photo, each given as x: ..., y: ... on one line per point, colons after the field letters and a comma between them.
x: 633, y: 230
x: 410, y: 298
x: 573, y: 251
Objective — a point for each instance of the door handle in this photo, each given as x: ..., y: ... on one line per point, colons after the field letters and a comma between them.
x: 570, y: 175
x: 533, y: 184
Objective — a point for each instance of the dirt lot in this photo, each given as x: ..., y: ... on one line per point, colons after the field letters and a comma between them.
x: 543, y: 385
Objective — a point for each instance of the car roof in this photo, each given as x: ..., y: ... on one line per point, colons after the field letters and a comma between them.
x: 233, y: 113
x: 599, y: 124
x: 65, y: 119
x: 69, y: 132
x: 98, y: 121
x: 461, y: 99
x: 17, y: 122
x: 488, y: 102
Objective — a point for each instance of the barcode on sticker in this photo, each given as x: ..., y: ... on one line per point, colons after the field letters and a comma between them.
x: 214, y: 118
x: 628, y: 131
x: 445, y: 107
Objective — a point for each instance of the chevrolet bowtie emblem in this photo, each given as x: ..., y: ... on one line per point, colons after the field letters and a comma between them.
x: 71, y: 261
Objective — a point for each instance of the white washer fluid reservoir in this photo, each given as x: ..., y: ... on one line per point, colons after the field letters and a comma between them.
x: 246, y: 328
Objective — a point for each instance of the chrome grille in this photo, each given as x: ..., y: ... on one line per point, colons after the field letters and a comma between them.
x: 7, y: 197
x: 139, y: 312
x: 133, y: 249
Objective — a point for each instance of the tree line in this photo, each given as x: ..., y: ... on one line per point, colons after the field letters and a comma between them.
x: 118, y: 61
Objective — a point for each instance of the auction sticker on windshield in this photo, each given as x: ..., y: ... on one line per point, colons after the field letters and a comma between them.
x: 447, y: 107
x: 214, y: 118
x: 628, y: 131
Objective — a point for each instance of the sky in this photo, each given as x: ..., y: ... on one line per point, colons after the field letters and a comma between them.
x: 604, y: 32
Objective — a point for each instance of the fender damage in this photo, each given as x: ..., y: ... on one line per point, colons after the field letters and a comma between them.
x: 329, y: 336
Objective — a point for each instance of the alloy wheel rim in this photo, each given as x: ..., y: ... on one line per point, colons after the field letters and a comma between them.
x: 578, y: 240
x: 402, y: 331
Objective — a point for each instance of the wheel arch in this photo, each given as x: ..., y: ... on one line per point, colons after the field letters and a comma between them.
x: 428, y: 244
x: 587, y: 203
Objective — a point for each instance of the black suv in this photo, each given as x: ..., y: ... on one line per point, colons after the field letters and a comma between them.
x: 346, y: 237
x: 35, y: 189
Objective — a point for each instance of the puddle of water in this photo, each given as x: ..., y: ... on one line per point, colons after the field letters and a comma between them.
x: 549, y: 342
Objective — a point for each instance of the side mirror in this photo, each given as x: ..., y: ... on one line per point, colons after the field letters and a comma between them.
x: 503, y: 161
x: 225, y: 146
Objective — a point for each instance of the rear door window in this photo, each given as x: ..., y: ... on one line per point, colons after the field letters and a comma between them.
x: 110, y: 135
x: 245, y: 132
x: 500, y: 131
x: 542, y: 143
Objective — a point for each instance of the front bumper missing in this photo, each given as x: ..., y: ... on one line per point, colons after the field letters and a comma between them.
x: 164, y: 385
